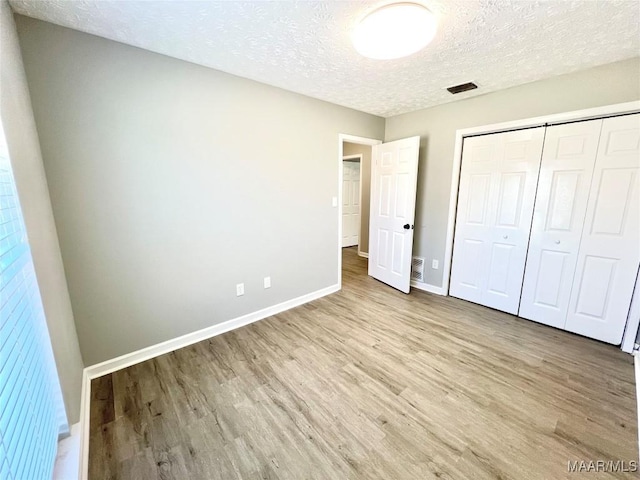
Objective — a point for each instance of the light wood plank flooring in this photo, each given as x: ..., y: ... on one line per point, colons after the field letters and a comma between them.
x: 369, y: 383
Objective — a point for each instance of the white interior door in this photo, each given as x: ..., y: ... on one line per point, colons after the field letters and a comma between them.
x: 568, y: 159
x: 394, y: 175
x: 610, y: 247
x: 495, y: 207
x: 350, y: 203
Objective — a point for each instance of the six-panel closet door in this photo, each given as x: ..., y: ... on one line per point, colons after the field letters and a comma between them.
x: 610, y: 247
x: 568, y: 158
x: 583, y: 236
x: 495, y: 206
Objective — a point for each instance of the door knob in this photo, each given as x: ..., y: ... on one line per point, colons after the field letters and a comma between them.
x: 406, y: 226
x: 505, y: 237
x: 557, y: 242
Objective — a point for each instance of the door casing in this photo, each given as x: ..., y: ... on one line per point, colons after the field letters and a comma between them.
x: 343, y: 137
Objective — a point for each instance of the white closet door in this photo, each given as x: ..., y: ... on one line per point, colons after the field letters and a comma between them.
x: 495, y: 206
x: 568, y: 159
x: 610, y: 248
x: 350, y: 203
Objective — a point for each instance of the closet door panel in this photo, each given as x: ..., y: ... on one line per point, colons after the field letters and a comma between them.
x: 515, y: 187
x: 568, y: 160
x: 610, y: 248
x: 473, y: 229
x: 495, y: 205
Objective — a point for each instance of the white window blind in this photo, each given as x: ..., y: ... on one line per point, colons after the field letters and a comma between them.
x: 31, y: 408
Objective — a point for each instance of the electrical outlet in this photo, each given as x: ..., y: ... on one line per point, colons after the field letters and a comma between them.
x: 267, y: 282
x: 434, y: 264
x: 240, y: 289
x: 334, y: 201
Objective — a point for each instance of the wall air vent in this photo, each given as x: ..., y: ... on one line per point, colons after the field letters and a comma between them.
x: 417, y: 269
x: 463, y: 87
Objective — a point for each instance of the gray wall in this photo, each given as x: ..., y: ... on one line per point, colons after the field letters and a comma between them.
x: 614, y: 83
x: 172, y: 182
x: 365, y: 169
x: 26, y: 162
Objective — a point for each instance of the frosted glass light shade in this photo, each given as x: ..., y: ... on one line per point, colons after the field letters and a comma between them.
x: 394, y: 31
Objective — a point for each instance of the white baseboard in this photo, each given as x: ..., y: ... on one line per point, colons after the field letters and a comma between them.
x: 85, y: 418
x: 124, y: 361
x: 428, y: 288
x: 68, y: 455
x: 363, y: 254
x: 153, y: 351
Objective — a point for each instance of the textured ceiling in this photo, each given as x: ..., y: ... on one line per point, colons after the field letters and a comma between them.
x: 305, y: 46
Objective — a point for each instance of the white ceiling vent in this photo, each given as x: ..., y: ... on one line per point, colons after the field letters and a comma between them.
x: 417, y: 269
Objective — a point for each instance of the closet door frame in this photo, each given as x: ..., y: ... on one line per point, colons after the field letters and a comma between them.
x: 579, y: 115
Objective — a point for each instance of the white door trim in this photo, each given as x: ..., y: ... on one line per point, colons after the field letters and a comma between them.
x: 358, y: 157
x: 636, y: 371
x: 343, y: 137
x: 633, y: 322
x: 578, y: 115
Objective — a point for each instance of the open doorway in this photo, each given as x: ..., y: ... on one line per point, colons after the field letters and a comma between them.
x: 392, y: 183
x: 354, y: 200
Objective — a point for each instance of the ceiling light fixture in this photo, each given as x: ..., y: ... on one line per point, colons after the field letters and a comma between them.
x: 394, y: 31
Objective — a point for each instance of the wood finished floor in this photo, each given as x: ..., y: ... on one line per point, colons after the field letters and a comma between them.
x: 369, y: 383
